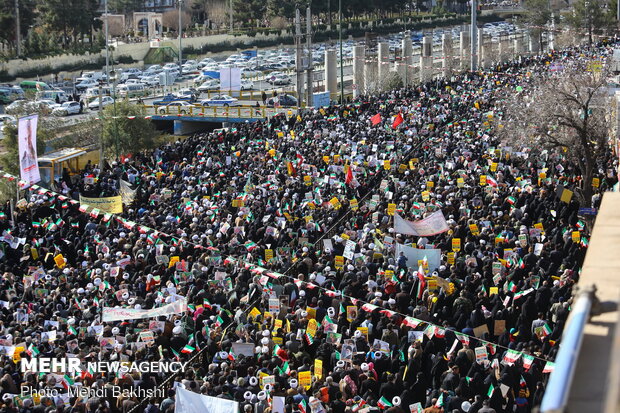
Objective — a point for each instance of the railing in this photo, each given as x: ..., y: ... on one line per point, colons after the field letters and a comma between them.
x: 559, y: 386
x: 237, y: 112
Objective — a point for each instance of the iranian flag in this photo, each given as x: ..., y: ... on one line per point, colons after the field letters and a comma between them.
x: 440, y: 332
x: 250, y: 246
x: 491, y: 181
x: 303, y: 406
x: 421, y: 282
x: 543, y: 331
x: 512, y: 287
x: 462, y: 338
x: 369, y: 307
x: 527, y: 361
x: 33, y: 351
x: 411, y: 322
x: 232, y: 356
x: 491, y: 390
x: 67, y: 381
x: 285, y: 369
x: 511, y: 200
x: 511, y: 357
x: 384, y: 403
x: 187, y: 349
x: 440, y: 402
x: 549, y: 367
x: 429, y: 331
x: 72, y: 331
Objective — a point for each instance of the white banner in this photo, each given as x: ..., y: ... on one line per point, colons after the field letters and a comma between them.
x: 433, y: 224
x: 27, y: 147
x: 117, y: 314
x: 189, y: 402
x: 433, y: 256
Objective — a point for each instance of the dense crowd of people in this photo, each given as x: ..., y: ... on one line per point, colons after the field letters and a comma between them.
x: 280, y: 235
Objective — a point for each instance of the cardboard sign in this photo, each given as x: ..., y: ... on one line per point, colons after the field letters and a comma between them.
x: 499, y: 327
x: 474, y: 229
x: 391, y: 209
x: 354, y: 204
x: 596, y: 182
x: 576, y: 237
x: 387, y: 165
x: 483, y: 180
x: 318, y: 368
x: 305, y: 379
x: 451, y: 258
x: 268, y: 255
x: 480, y: 330
x: 339, y: 261
x: 456, y: 244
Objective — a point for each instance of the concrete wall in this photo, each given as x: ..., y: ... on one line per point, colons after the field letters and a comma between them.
x: 136, y: 50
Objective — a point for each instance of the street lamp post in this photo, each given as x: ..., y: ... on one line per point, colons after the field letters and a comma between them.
x: 107, y: 49
x: 180, y: 3
x: 341, y: 60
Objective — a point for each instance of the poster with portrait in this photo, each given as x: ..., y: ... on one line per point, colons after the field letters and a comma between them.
x: 27, y: 146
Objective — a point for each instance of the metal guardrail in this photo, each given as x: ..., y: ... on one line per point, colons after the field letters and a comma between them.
x: 558, y: 389
x: 235, y: 112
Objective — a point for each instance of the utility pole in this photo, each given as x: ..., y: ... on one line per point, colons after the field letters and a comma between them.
x: 230, y: 29
x: 101, y: 156
x: 107, y: 49
x: 18, y: 34
x: 180, y: 2
x: 309, y: 66
x: 474, y: 36
x: 298, y: 58
x: 341, y: 59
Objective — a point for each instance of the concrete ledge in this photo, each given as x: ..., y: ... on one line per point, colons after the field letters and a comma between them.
x: 598, y: 370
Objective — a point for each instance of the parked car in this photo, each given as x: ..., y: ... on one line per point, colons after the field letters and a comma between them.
x: 220, y: 100
x: 105, y: 101
x: 282, y: 100
x: 66, y: 109
x: 16, y: 107
x: 247, y: 84
x: 279, y: 80
x: 85, y: 84
x: 212, y: 84
x: 173, y: 97
x: 183, y: 107
x: 189, y: 94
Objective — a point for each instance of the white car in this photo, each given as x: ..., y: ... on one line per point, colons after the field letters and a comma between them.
x: 105, y: 101
x: 212, y: 84
x: 247, y: 84
x: 66, y: 109
x: 182, y: 108
x: 85, y: 84
x: 220, y: 100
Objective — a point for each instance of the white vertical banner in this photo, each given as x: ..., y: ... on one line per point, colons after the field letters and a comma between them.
x: 27, y: 147
x: 230, y: 80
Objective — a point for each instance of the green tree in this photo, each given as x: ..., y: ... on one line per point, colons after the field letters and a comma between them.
x: 27, y: 15
x: 126, y: 131
x: 72, y: 18
x: 246, y: 11
x: 589, y: 16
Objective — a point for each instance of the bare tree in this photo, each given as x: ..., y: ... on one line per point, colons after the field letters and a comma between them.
x: 217, y: 12
x: 563, y: 110
x: 170, y: 19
